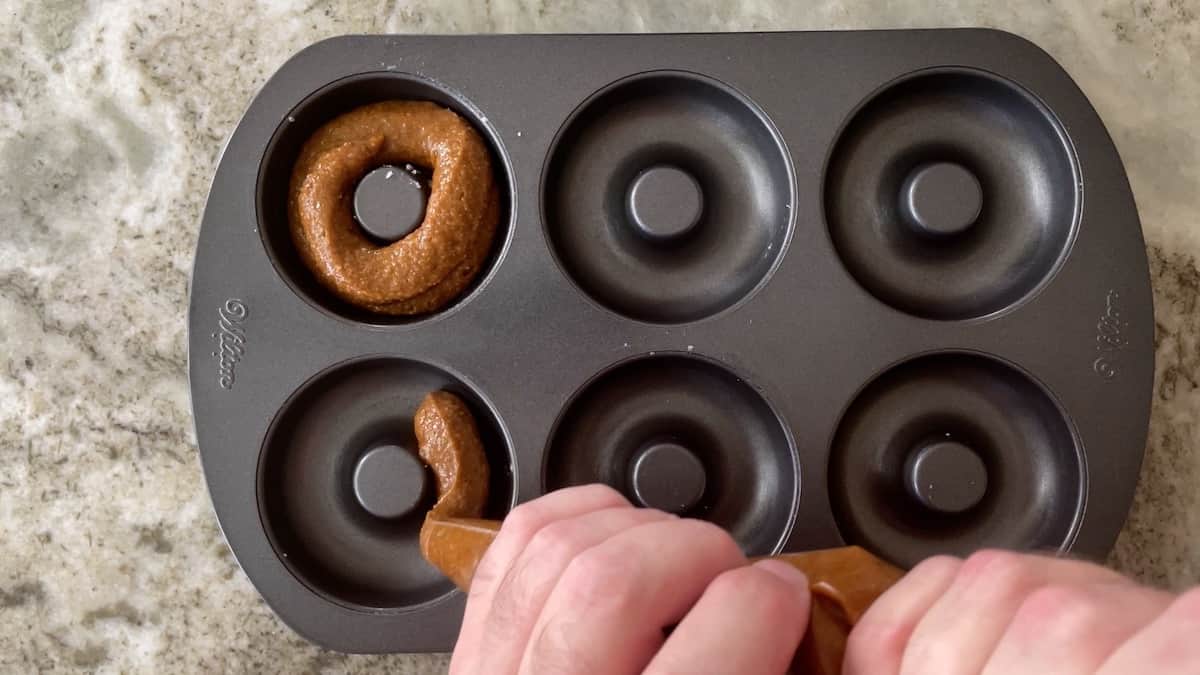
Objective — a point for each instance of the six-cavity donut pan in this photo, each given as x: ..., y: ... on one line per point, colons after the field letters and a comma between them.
x: 880, y: 288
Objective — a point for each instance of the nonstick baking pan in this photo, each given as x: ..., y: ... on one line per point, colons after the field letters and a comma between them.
x: 881, y: 288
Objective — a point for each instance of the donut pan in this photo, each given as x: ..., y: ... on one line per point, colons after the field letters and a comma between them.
x: 882, y: 288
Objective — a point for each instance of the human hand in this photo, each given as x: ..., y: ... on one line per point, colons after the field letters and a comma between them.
x: 579, y: 581
x: 998, y: 613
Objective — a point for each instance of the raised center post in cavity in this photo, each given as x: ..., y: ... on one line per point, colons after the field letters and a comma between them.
x: 665, y: 202
x: 389, y: 202
x: 946, y: 476
x: 668, y: 476
x: 941, y: 199
x: 389, y: 481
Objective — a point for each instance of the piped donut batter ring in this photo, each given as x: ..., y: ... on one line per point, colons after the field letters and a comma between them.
x: 448, y: 441
x: 434, y: 263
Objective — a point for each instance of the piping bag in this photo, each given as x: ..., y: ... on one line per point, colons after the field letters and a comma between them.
x: 844, y: 581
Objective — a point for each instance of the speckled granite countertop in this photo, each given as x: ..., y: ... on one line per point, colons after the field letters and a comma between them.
x: 111, y: 117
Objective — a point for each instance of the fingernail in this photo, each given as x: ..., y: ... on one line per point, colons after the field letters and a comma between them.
x: 783, y: 571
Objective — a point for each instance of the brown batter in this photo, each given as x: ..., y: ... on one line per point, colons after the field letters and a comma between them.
x: 449, y: 443
x: 434, y: 263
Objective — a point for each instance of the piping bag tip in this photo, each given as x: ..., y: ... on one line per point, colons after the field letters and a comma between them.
x: 456, y: 545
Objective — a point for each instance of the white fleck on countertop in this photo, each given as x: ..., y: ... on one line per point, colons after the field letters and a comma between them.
x: 111, y: 118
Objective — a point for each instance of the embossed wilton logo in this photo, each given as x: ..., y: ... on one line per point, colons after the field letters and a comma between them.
x: 1110, y: 339
x: 231, y: 340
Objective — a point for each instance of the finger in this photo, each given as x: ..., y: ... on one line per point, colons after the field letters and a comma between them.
x: 960, y: 632
x: 521, y: 593
x: 518, y: 529
x: 1072, y: 629
x: 749, y: 620
x: 1170, y: 645
x: 876, y: 643
x: 609, y: 608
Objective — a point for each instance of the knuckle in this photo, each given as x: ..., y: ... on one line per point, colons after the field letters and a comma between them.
x: 769, y: 594
x: 523, y: 522
x: 878, y: 642
x: 599, y: 493
x: 553, y: 542
x: 601, y: 577
x: 937, y: 566
x: 608, y: 491
x: 875, y: 646
x: 709, y: 536
x: 519, y: 526
x: 488, y: 573
x: 733, y: 583
x: 1060, y: 612
x: 1004, y: 572
x: 989, y: 562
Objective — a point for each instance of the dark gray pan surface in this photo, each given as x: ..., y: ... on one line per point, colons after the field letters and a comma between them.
x: 885, y: 288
